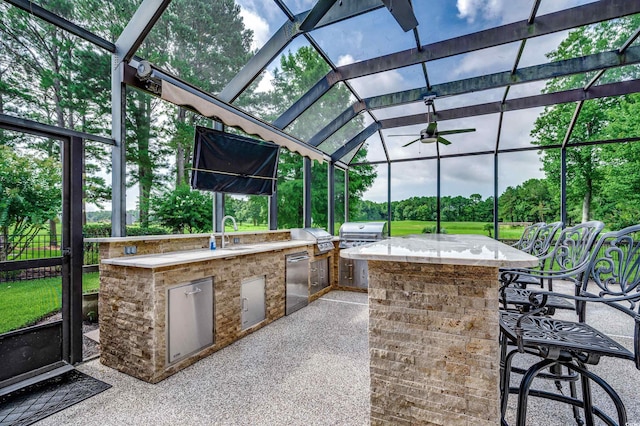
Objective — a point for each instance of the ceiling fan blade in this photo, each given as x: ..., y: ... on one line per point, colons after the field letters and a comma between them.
x: 432, y: 127
x: 403, y: 13
x: 413, y: 134
x: 443, y: 141
x: 413, y: 141
x: 453, y: 132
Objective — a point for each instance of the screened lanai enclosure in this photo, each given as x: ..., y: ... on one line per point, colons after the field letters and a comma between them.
x: 344, y: 87
x: 439, y: 112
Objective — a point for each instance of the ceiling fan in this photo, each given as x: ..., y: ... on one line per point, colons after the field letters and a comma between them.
x: 431, y: 133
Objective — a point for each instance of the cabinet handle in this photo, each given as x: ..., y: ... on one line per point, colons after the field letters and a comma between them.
x: 244, y: 308
x: 189, y: 293
x: 350, y: 271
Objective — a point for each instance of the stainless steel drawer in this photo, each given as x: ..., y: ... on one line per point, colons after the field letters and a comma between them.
x: 297, y: 282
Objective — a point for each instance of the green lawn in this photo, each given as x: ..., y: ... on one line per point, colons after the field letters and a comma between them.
x: 246, y: 227
x: 23, y: 303
x: 406, y: 227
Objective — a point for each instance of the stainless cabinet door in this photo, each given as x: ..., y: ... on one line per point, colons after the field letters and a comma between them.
x: 319, y: 275
x: 360, y: 274
x: 354, y: 273
x: 253, y: 301
x: 345, y: 270
x: 190, y: 318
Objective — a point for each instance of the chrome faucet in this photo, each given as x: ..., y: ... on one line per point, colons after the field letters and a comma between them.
x: 235, y: 228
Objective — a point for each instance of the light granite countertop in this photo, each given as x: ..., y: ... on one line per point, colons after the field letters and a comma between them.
x: 450, y: 249
x: 181, y: 257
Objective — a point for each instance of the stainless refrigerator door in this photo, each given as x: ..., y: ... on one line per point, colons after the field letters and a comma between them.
x: 297, y: 282
x: 190, y: 318
x: 252, y: 297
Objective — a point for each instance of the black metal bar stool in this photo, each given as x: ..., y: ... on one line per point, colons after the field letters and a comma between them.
x: 611, y: 279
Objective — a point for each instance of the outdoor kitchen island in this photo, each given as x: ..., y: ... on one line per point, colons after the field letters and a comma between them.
x: 433, y: 327
x: 136, y: 296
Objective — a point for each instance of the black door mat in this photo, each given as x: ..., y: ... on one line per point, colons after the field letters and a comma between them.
x: 35, y: 402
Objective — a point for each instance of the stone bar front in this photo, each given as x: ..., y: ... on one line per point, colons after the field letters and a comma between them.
x: 433, y: 327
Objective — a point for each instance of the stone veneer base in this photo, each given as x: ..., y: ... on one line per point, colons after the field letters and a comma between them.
x: 132, y: 308
x: 433, y: 341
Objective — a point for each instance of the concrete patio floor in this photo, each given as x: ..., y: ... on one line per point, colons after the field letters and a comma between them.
x: 309, y: 368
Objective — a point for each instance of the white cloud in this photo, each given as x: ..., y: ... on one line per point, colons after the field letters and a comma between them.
x: 266, y: 84
x: 377, y: 84
x: 471, y: 9
x: 345, y: 60
x: 267, y: 9
x: 476, y: 63
x: 258, y: 25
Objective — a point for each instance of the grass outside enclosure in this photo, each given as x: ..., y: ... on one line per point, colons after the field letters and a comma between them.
x: 23, y: 303
x: 407, y: 227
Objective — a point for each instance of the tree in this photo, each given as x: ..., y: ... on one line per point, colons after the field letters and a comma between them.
x: 584, y: 170
x: 254, y: 210
x: 620, y: 200
x: 298, y: 72
x: 30, y: 189
x: 146, y: 154
x: 194, y: 28
x: 63, y: 87
x: 183, y: 209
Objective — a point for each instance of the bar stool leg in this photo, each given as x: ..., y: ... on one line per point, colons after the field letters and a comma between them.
x: 525, y: 385
x: 585, y: 377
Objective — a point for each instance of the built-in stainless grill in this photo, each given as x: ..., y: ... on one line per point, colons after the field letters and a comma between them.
x: 355, y: 273
x: 320, y: 237
x: 354, y: 234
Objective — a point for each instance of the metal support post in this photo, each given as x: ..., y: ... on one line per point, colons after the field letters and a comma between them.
x: 331, y: 197
x: 438, y: 212
x: 118, y: 151
x: 496, y: 227
x: 77, y: 248
x: 273, y: 210
x: 218, y: 210
x: 389, y: 197
x: 66, y: 250
x: 306, y: 175
x: 346, y: 195
x: 218, y: 197
x: 563, y: 186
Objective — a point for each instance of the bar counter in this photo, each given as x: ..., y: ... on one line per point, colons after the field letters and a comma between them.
x: 433, y: 327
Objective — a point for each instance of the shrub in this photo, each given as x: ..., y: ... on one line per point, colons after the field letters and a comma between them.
x: 136, y: 230
x: 101, y: 230
x: 433, y: 230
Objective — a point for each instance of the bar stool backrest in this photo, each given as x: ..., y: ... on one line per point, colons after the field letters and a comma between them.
x: 542, y: 242
x: 571, y: 252
x: 614, y: 276
x: 528, y: 237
